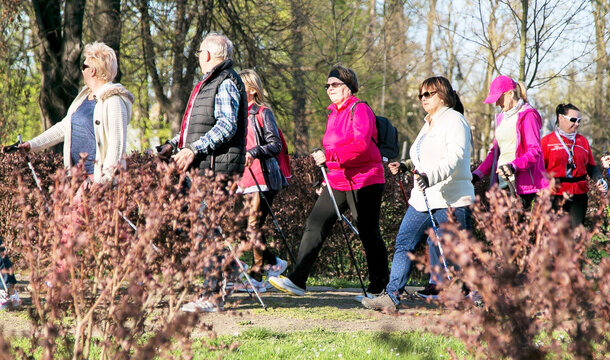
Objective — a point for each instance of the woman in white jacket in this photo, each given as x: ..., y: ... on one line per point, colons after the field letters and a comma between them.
x: 441, y: 158
x: 96, y: 123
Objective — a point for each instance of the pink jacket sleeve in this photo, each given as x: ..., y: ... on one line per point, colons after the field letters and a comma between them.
x: 363, y: 124
x: 529, y: 144
x: 485, y: 168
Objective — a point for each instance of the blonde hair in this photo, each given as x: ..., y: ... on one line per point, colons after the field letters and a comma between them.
x: 519, y: 91
x: 103, y: 59
x: 219, y: 46
x: 253, y: 81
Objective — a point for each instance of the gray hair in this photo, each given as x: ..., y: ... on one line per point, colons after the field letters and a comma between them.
x: 219, y: 46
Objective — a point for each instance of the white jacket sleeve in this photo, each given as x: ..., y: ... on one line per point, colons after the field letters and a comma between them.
x: 52, y: 136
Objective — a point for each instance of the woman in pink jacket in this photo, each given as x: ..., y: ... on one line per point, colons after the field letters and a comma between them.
x: 355, y: 173
x: 516, y: 154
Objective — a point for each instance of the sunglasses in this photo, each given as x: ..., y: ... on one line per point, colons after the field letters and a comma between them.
x: 572, y: 119
x: 84, y: 66
x: 333, y: 85
x: 427, y: 95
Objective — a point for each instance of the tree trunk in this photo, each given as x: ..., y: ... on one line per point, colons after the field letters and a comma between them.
x: 59, y: 54
x: 429, y: 32
x: 601, y: 67
x: 183, y: 68
x: 301, y: 125
x: 523, y: 39
x: 106, y: 26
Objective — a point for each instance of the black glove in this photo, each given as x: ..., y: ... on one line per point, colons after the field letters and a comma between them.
x: 475, y: 178
x: 406, y: 166
x: 422, y: 180
x: 165, y: 151
x: 506, y: 170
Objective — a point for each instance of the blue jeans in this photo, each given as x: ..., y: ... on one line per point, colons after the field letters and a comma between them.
x: 412, y: 233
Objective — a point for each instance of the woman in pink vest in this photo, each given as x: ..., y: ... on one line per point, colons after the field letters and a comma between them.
x: 355, y: 173
x: 516, y: 154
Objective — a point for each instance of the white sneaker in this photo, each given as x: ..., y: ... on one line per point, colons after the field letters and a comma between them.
x: 15, y: 300
x: 286, y: 285
x: 245, y: 286
x: 277, y: 269
x: 202, y: 305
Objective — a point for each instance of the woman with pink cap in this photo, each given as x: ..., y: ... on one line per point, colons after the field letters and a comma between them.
x: 516, y: 154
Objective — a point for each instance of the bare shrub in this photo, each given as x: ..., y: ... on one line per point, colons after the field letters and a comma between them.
x: 94, y: 280
x: 541, y: 293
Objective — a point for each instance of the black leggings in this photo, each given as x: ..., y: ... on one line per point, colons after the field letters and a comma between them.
x: 576, y: 207
x: 364, y: 204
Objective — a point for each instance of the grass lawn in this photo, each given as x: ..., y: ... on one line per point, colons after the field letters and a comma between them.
x: 323, y: 344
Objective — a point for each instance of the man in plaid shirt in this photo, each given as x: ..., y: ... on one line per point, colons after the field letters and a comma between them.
x: 212, y: 135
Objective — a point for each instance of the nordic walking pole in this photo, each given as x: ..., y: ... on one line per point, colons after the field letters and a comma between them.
x: 4, y: 283
x: 342, y: 217
x: 277, y: 225
x: 435, y: 229
x: 241, y: 267
x: 511, y: 187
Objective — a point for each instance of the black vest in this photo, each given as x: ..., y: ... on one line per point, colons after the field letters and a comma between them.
x: 230, y: 157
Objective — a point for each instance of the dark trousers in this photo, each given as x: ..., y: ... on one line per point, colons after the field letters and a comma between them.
x: 364, y: 204
x: 576, y: 207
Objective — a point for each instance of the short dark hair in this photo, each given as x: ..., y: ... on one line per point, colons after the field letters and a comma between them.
x: 562, y: 109
x: 445, y: 91
x: 347, y: 75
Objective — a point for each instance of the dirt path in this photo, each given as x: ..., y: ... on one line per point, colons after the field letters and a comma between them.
x: 321, y: 307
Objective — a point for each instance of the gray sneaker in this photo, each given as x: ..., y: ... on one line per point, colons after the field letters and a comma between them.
x: 202, y: 305
x: 382, y: 302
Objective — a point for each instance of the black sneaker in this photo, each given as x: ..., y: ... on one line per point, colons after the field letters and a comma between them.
x: 430, y: 292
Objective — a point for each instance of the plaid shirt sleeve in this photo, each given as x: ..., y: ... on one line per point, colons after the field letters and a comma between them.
x: 226, y: 107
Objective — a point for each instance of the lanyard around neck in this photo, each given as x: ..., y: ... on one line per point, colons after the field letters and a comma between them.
x: 565, y: 147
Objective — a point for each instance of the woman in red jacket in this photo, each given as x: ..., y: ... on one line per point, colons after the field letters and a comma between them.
x: 355, y: 173
x: 568, y: 158
x: 263, y: 144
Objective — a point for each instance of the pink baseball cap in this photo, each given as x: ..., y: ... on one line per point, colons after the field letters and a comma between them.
x: 499, y: 86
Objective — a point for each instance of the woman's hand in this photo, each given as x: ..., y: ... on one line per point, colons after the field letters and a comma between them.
x: 606, y: 161
x: 394, y: 167
x: 506, y: 170
x: 319, y: 157
x: 26, y: 146
x: 602, y: 186
x: 249, y: 160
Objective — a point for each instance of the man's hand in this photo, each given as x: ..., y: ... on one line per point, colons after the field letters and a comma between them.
x: 319, y: 157
x: 165, y: 151
x: 249, y: 160
x: 421, y: 179
x: 184, y: 158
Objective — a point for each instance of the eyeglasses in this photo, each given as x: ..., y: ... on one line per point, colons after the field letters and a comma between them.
x: 84, y: 66
x: 572, y: 119
x: 333, y: 85
x: 197, y: 52
x: 427, y: 95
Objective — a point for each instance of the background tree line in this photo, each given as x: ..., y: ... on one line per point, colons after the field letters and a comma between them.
x: 558, y: 48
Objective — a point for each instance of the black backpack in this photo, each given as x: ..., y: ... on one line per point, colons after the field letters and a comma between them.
x: 387, y: 134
